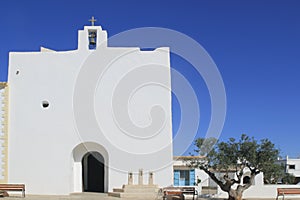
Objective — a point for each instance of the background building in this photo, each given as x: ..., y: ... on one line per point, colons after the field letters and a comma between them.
x: 191, y: 176
x: 291, y: 166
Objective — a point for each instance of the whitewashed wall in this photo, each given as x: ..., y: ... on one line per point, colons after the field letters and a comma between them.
x: 296, y: 162
x: 2, y: 135
x: 265, y: 191
x: 43, y: 143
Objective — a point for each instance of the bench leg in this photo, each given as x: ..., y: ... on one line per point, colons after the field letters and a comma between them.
x: 280, y: 195
x: 194, y: 196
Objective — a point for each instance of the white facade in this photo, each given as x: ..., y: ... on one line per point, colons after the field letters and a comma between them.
x: 51, y: 117
x: 3, y: 131
x: 292, y: 166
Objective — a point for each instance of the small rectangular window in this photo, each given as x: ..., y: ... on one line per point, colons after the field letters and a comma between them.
x: 292, y: 166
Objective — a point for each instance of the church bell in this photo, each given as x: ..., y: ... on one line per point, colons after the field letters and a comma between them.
x: 92, y: 38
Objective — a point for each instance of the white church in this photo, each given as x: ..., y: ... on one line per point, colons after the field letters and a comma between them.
x: 69, y: 122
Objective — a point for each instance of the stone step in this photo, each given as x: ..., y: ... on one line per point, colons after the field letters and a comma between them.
x: 145, y: 186
x: 114, y: 194
x: 118, y: 190
x: 140, y: 188
x: 137, y: 190
x: 133, y: 195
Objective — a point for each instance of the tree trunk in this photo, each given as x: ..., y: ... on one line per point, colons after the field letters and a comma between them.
x: 236, y: 195
x: 231, y: 198
x: 235, y: 198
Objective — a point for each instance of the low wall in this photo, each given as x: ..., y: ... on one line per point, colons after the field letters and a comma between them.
x: 262, y: 191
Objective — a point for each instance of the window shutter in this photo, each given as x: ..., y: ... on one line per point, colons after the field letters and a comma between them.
x: 176, y: 177
x: 192, y: 177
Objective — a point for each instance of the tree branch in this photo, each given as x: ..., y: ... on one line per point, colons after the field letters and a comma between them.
x: 253, y: 170
x: 239, y: 173
x: 212, y: 175
x: 230, y: 181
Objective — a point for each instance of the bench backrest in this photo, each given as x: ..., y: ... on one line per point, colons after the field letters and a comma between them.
x: 288, y: 190
x: 173, y: 192
x: 12, y: 185
x: 180, y: 188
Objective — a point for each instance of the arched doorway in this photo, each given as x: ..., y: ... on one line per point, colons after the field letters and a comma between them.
x: 93, y: 172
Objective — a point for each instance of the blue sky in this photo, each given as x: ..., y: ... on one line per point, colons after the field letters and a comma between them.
x: 255, y: 44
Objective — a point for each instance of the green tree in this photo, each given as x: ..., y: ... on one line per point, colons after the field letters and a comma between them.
x: 273, y: 173
x: 238, y: 156
x: 288, y: 179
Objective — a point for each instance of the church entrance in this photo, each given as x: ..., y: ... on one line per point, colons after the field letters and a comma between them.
x: 93, y: 172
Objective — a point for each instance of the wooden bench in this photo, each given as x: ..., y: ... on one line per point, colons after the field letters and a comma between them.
x: 173, y: 194
x: 287, y: 191
x: 179, y: 192
x: 13, y: 187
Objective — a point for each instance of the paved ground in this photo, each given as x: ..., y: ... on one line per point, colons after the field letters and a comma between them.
x: 83, y: 196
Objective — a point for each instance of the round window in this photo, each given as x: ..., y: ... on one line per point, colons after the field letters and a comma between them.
x: 45, y: 104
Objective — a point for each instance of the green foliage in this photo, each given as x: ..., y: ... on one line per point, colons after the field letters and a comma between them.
x: 239, y: 156
x: 288, y: 178
x: 273, y: 173
x: 243, y: 153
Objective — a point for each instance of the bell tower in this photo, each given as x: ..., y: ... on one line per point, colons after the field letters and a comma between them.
x: 92, y: 36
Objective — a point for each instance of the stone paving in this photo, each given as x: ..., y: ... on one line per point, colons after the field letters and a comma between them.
x: 82, y: 196
x: 85, y: 196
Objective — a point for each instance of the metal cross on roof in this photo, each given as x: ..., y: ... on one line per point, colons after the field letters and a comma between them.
x: 93, y: 20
